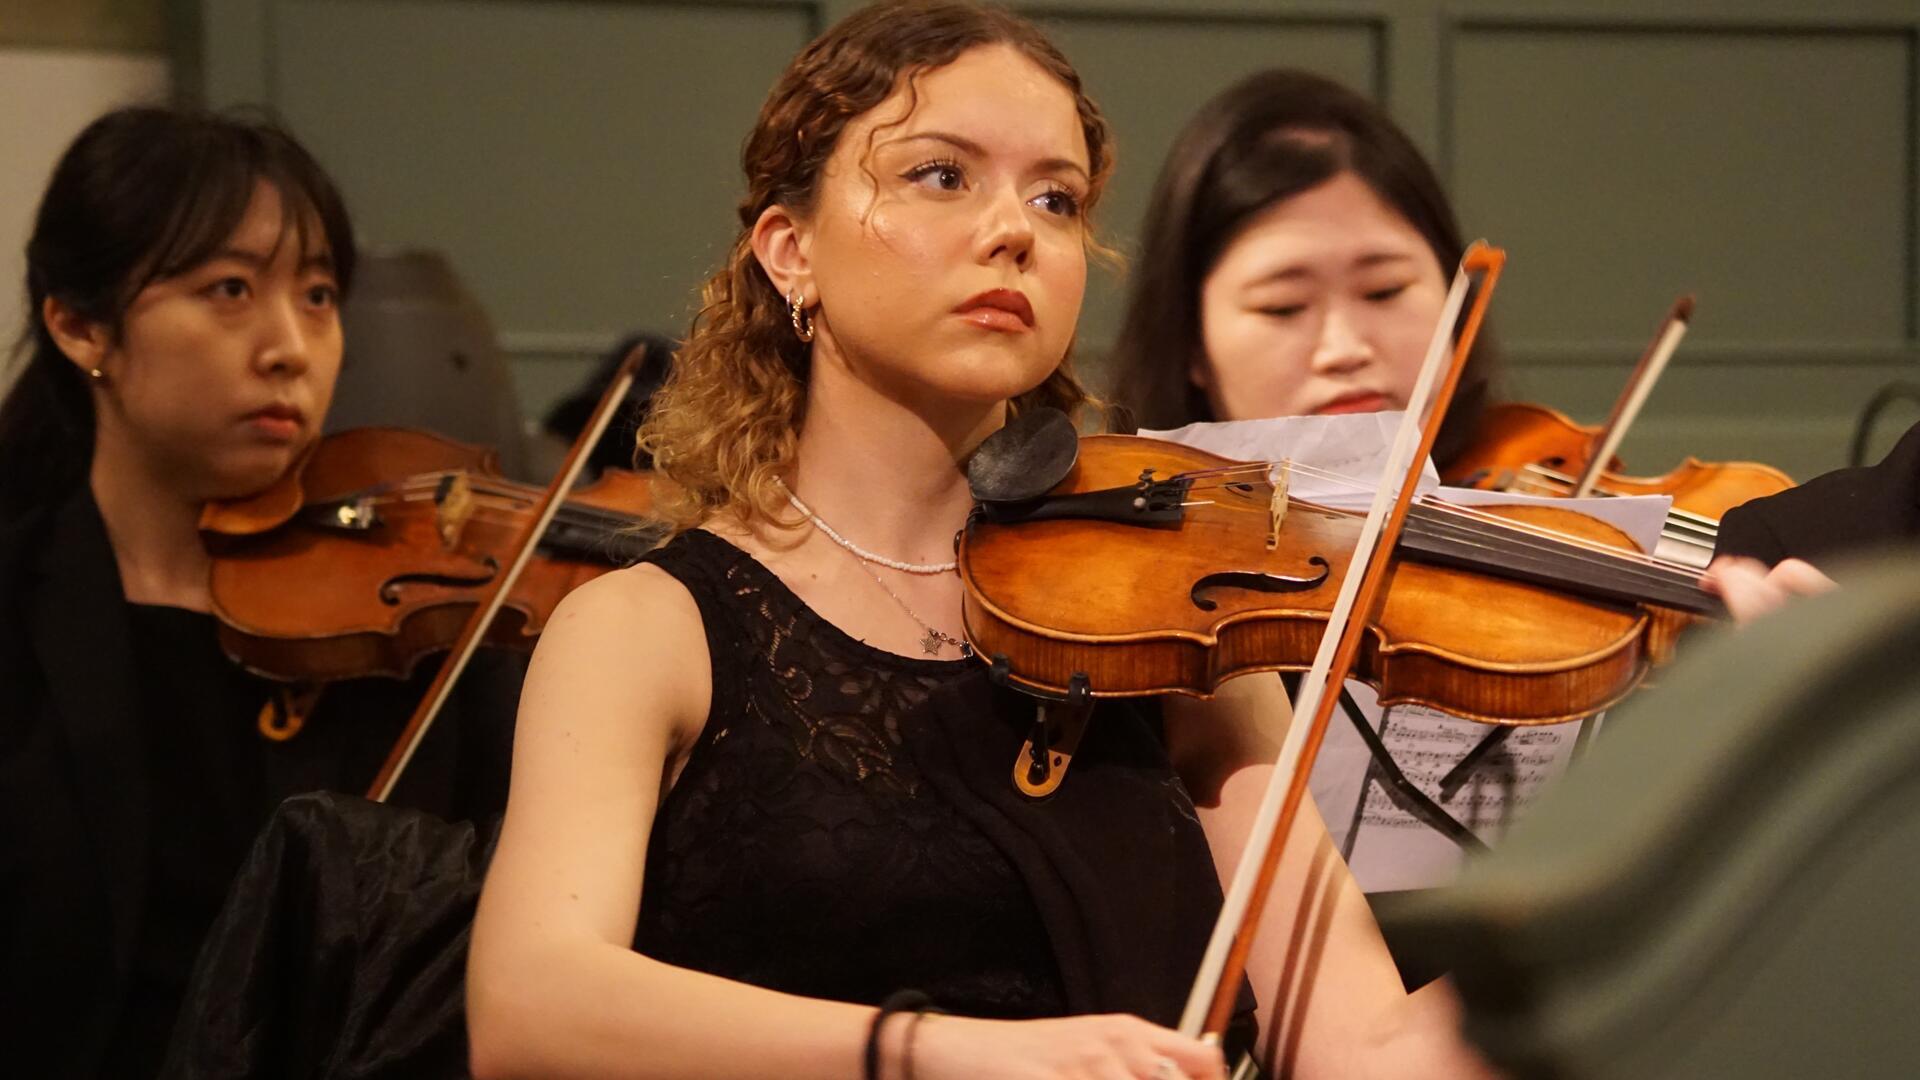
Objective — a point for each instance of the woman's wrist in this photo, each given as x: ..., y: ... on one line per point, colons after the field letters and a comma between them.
x: 888, y: 1034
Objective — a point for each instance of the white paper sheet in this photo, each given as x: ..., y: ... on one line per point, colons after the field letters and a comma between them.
x: 1387, y: 848
x: 1353, y: 446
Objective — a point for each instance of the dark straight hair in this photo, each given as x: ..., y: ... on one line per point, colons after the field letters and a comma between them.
x: 1267, y: 138
x: 141, y: 195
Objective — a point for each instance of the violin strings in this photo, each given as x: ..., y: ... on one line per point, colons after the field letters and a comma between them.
x: 1683, y: 526
x: 493, y: 496
x: 1633, y: 570
x: 1532, y: 537
x: 1558, y: 480
x: 1569, y: 567
x: 1612, y: 555
x: 1680, y: 527
x: 1599, y: 554
x: 1606, y: 564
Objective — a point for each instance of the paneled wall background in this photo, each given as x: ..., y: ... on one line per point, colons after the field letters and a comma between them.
x: 577, y: 161
x: 62, y: 62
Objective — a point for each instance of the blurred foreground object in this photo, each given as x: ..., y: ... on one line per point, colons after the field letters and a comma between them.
x: 1748, y: 911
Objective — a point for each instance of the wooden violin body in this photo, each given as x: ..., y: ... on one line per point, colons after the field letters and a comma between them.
x: 1532, y: 449
x: 376, y: 552
x: 1183, y: 606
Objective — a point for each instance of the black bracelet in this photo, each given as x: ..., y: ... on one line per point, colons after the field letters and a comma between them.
x: 898, y: 1001
x: 913, y: 1032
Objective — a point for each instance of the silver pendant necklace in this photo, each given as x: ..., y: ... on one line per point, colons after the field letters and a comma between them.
x: 930, y: 642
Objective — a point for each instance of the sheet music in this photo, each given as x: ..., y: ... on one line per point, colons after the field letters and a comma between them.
x: 1389, y: 849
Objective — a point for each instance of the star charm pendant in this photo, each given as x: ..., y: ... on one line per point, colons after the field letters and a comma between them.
x: 931, y: 643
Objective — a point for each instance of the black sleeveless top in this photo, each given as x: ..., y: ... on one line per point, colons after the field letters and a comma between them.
x: 802, y: 848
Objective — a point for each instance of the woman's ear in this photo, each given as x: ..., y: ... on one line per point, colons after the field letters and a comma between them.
x: 780, y: 242
x: 84, y: 341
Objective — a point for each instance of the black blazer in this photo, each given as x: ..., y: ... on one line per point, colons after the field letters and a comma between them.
x: 1842, y: 512
x: 75, y: 788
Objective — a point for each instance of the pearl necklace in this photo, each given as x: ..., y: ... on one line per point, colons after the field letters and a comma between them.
x: 933, y: 639
x: 856, y: 549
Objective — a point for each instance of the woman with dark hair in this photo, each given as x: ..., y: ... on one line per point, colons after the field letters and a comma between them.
x: 759, y: 787
x: 1295, y: 257
x: 184, y: 273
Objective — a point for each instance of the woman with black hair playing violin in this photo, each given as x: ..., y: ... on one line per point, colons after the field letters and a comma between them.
x: 184, y: 273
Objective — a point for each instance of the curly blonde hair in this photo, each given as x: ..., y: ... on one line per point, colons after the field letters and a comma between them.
x: 725, y: 425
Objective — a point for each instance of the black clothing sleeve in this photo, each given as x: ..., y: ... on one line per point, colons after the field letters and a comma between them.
x: 1837, y: 514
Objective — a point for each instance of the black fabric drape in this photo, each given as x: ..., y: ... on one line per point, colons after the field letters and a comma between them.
x: 341, y: 951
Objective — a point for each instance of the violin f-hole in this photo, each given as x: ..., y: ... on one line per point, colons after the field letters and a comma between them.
x: 1267, y: 583
x: 391, y: 590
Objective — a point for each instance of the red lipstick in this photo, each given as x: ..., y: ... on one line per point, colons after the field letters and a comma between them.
x: 998, y: 309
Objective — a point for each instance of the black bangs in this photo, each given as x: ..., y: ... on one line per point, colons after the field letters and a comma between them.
x: 216, y: 177
x: 1253, y: 174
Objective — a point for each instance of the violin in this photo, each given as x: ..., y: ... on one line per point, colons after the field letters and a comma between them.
x: 376, y: 548
x: 1148, y: 567
x: 1534, y: 450
x: 1188, y: 569
x: 436, y: 544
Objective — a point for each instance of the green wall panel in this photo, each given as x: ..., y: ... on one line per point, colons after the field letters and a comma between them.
x: 1765, y: 172
x: 579, y: 162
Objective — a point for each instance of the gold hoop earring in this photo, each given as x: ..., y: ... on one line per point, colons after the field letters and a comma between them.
x: 802, y: 322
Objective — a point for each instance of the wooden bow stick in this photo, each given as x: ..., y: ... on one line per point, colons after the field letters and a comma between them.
x: 470, y: 636
x: 1210, y: 1006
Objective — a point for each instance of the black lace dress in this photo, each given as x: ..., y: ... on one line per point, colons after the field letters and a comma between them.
x: 846, y: 827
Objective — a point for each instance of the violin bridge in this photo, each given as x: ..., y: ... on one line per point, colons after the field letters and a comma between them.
x: 453, y: 507
x: 1277, y: 503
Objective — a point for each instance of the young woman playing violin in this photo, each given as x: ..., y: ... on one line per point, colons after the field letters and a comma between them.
x: 741, y: 814
x: 185, y: 273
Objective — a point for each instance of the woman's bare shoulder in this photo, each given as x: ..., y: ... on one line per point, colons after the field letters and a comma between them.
x: 631, y: 638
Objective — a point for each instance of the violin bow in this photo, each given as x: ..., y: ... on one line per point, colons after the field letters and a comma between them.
x: 1626, y: 408
x: 1217, y: 986
x: 476, y: 627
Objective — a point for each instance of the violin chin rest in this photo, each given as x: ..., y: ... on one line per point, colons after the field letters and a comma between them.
x: 1025, y: 459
